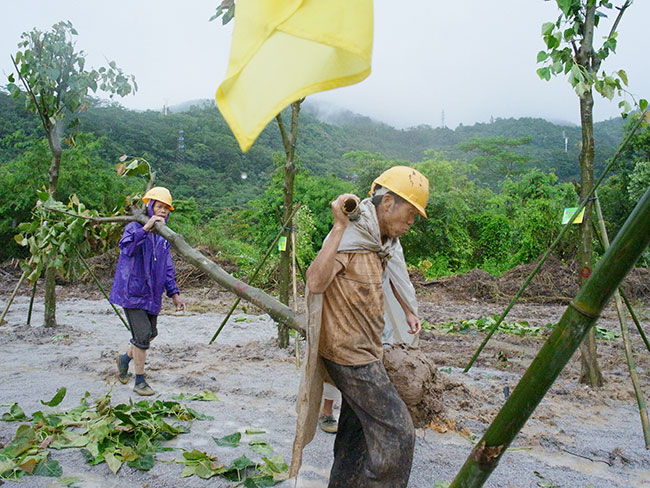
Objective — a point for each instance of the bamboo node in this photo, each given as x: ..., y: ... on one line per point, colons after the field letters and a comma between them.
x: 486, y: 457
x: 582, y: 311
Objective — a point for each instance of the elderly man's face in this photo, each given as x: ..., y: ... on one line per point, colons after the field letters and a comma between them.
x: 395, y: 219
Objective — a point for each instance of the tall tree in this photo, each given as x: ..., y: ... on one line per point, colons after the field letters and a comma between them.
x: 226, y: 10
x: 55, y: 87
x: 570, y: 50
x: 289, y: 142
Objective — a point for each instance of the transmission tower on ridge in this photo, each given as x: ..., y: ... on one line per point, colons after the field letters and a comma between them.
x: 180, y: 153
x: 442, y: 122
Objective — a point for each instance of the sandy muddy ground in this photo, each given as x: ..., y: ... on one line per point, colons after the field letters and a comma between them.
x: 577, y: 438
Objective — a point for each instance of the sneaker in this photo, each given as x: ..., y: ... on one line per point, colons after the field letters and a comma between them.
x: 143, y: 389
x: 328, y: 424
x: 122, y: 370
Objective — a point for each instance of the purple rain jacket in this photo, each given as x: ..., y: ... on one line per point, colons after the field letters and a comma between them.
x: 145, y: 269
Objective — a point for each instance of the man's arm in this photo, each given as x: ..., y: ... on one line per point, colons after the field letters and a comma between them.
x: 411, y: 319
x: 324, y: 268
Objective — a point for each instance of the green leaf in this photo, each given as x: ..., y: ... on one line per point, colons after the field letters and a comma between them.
x: 144, y: 463
x: 643, y: 104
x: 261, y: 447
x: 547, y: 28
x: 113, y: 463
x: 623, y: 75
x: 241, y: 463
x: 541, y: 56
x: 58, y: 398
x: 259, y: 482
x: 254, y: 431
x: 231, y: 440
x: 544, y: 73
x: 50, y: 468
x: 565, y: 6
x: 15, y: 414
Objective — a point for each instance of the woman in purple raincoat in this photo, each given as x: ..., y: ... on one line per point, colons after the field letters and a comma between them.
x: 145, y: 269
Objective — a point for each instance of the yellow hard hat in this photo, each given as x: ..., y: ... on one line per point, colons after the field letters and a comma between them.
x: 159, y: 193
x: 408, y: 183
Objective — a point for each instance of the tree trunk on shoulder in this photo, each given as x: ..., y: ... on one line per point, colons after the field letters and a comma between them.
x: 590, y: 373
x: 54, y: 140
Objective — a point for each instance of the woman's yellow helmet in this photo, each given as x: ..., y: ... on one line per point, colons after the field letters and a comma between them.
x: 159, y: 193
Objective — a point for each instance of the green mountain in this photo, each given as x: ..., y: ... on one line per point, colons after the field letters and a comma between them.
x: 208, y: 165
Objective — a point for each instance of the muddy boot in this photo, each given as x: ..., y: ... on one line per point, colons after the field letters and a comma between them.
x: 122, y: 368
x: 328, y: 424
x: 143, y: 389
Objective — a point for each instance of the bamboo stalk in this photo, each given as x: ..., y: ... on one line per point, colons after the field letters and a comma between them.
x: 11, y: 298
x: 579, y: 317
x: 257, y: 270
x: 564, y: 230
x: 634, y: 318
x: 102, y: 290
x: 629, y: 356
x: 31, y: 303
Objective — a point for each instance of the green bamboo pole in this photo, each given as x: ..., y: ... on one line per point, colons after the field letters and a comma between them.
x: 564, y: 230
x: 11, y: 298
x: 103, y: 291
x: 581, y: 314
x: 634, y: 318
x: 31, y: 303
x: 257, y: 270
x: 630, y: 309
x: 640, y: 400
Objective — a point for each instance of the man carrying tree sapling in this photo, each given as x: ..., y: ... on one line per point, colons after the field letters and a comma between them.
x: 375, y: 439
x: 145, y: 269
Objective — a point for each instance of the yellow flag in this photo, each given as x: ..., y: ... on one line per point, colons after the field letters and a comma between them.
x: 283, y: 50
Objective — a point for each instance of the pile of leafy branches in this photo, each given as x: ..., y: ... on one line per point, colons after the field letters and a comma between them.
x: 522, y: 328
x: 126, y: 433
x: 242, y: 470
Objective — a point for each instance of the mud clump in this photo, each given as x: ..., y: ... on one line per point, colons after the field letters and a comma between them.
x: 416, y: 380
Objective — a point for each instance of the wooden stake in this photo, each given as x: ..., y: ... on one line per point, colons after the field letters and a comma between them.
x: 640, y: 400
x: 11, y: 298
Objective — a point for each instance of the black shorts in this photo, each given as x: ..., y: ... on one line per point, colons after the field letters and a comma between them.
x: 143, y: 326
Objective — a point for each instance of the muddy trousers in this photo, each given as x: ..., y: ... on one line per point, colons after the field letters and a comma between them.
x: 375, y: 440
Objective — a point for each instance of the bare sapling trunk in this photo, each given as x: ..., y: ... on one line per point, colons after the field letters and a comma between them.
x: 289, y: 142
x: 590, y: 371
x: 54, y: 140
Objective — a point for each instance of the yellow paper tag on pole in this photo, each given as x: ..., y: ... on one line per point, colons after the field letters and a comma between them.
x: 282, y: 244
x: 283, y: 50
x: 568, y: 213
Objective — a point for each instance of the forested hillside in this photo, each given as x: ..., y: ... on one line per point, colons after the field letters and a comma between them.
x: 484, y: 213
x: 210, y: 167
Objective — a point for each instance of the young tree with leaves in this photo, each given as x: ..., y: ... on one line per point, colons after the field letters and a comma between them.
x: 55, y: 86
x: 570, y: 50
x: 226, y: 10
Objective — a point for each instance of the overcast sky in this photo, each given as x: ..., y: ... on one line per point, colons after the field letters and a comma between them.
x: 472, y: 59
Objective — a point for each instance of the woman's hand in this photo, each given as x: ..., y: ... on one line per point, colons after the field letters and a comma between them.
x: 156, y: 218
x: 179, y: 302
